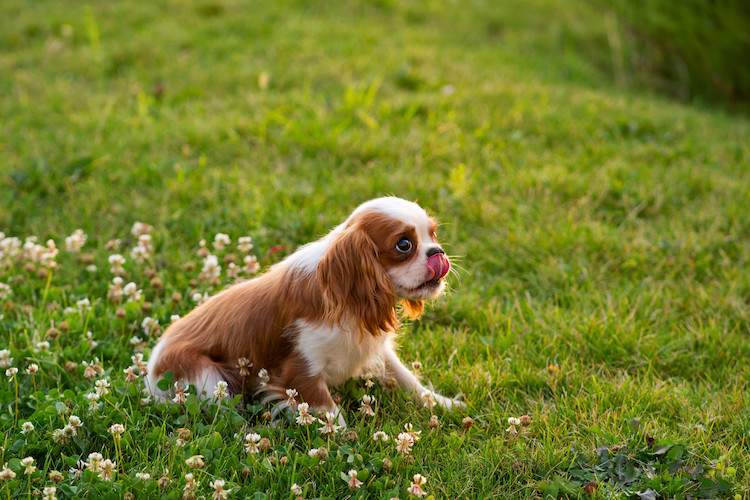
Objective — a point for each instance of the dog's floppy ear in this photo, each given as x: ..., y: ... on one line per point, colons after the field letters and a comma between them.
x: 354, y: 283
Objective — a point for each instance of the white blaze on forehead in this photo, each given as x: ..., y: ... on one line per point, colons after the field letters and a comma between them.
x: 405, y: 211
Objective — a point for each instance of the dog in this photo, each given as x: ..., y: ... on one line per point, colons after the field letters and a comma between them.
x: 325, y: 314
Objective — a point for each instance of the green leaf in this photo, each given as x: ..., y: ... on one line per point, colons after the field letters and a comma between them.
x: 166, y: 381
x: 193, y: 404
x: 635, y: 423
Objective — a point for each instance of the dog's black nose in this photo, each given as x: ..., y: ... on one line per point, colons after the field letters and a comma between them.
x: 434, y: 251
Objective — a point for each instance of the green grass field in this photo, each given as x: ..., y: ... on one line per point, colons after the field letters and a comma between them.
x: 604, y: 283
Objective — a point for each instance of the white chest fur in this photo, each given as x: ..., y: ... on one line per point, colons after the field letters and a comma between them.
x: 338, y: 354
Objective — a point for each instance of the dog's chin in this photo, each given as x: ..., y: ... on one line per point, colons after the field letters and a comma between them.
x: 426, y: 291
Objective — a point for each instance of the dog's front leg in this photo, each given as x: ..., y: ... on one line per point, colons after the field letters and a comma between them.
x: 311, y: 389
x: 409, y: 382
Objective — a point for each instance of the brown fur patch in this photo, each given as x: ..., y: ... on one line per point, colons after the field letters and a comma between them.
x: 246, y: 320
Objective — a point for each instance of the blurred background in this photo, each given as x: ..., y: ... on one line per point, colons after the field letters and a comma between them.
x: 547, y: 131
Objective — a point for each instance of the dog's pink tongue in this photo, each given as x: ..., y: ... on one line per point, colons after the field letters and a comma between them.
x: 438, y: 265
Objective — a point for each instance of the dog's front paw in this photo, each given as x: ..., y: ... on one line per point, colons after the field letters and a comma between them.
x: 432, y: 398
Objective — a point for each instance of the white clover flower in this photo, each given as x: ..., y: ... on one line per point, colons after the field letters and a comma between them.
x: 95, y: 462
x: 42, y: 346
x: 130, y: 375
x: 434, y: 422
x: 415, y: 489
x: 291, y: 395
x: 243, y: 366
x: 117, y: 430
x: 354, y: 483
x: 149, y: 324
x: 296, y: 489
x: 5, y: 359
x: 83, y: 305
x: 143, y: 476
x: 26, y: 427
x: 135, y: 340
x: 219, y: 492
x: 31, y: 251
x: 74, y: 421
x: 191, y: 486
x: 59, y: 437
x: 116, y: 261
x: 244, y: 244
x: 263, y: 376
x: 404, y: 443
x: 11, y: 372
x: 144, y: 240
x: 366, y: 408
x: 221, y: 241
x: 5, y: 291
x: 7, y: 474
x: 251, y: 443
x: 233, y: 270
x: 28, y: 465
x: 380, y: 436
x: 102, y: 387
x: 132, y: 292
x: 211, y: 267
x: 77, y: 471
x: 32, y: 368
x: 47, y: 259
x: 415, y: 435
x: 115, y: 290
x: 251, y: 264
x: 140, y: 228
x: 195, y: 462
x: 220, y: 391
x: 174, y: 318
x: 429, y: 399
x: 140, y: 253
x: 75, y: 241
x: 49, y: 493
x: 181, y: 394
x: 329, y: 428
x: 304, y: 418
x: 92, y: 369
x: 108, y: 469
x: 514, y: 421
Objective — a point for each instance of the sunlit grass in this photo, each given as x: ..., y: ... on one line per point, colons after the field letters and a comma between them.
x: 602, y: 238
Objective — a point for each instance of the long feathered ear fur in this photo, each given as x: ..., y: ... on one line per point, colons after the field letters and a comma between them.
x: 354, y: 283
x: 412, y: 308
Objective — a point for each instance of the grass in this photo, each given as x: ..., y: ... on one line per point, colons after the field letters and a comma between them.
x: 604, y: 237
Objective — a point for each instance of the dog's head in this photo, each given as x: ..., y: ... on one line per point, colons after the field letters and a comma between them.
x: 386, y: 252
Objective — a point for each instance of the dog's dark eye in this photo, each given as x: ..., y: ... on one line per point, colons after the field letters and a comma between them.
x: 404, y: 246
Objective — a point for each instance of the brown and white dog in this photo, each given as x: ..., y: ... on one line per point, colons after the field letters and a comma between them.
x: 323, y: 315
